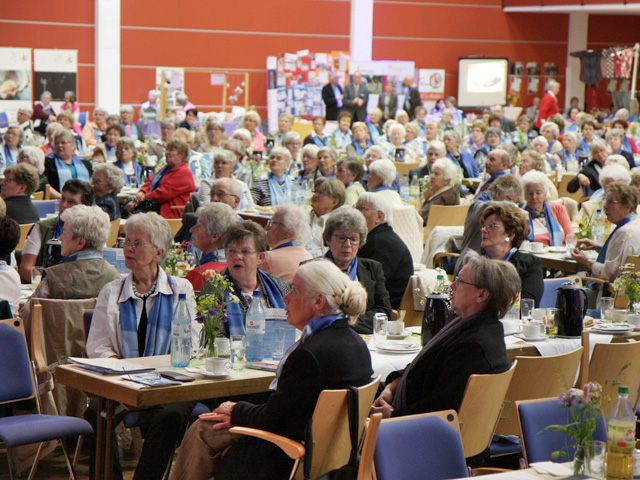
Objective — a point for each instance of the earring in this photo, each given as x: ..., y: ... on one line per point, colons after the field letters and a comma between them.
x: 506, y: 240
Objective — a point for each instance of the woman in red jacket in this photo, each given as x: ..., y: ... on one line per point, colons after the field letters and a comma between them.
x: 170, y: 186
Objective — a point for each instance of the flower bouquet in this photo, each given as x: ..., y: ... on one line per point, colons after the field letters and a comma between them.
x: 178, y: 262
x: 628, y: 284
x: 513, y: 98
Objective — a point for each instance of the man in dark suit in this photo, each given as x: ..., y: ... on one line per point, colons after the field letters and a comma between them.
x: 388, y: 102
x: 356, y: 97
x: 332, y: 97
x: 506, y: 125
x: 412, y: 100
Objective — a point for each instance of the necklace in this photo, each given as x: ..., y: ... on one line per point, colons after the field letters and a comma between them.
x: 144, y: 295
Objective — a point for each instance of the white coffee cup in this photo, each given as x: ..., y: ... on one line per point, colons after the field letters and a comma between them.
x: 395, y: 327
x: 536, y: 246
x: 223, y: 347
x: 217, y: 365
x: 525, y: 245
x: 533, y: 329
x: 634, y: 319
x: 152, y: 160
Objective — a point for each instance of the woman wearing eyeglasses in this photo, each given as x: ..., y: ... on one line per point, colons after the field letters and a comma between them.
x: 329, y: 193
x: 504, y: 228
x: 344, y: 232
x: 133, y: 319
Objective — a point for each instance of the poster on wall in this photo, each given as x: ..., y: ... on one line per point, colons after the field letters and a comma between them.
x: 173, y: 82
x: 533, y: 72
x: 431, y: 84
x: 15, y: 80
x: 550, y: 71
x: 55, y: 71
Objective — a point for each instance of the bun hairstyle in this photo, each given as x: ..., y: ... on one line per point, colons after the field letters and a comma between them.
x: 343, y: 294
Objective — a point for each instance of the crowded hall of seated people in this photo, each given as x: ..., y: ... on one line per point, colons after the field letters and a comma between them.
x: 333, y: 224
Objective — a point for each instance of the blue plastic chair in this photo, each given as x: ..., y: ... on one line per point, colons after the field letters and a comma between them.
x: 18, y: 383
x: 82, y: 119
x: 46, y: 206
x: 4, y: 120
x: 419, y: 447
x: 539, y: 444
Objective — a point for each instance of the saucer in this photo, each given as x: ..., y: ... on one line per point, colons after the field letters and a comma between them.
x: 531, y: 339
x: 397, y: 337
x: 207, y: 374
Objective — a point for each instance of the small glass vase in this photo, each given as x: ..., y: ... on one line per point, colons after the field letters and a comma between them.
x: 579, y: 460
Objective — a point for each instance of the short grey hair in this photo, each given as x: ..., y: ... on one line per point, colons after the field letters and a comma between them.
x: 330, y: 150
x: 413, y: 128
x: 449, y: 170
x: 573, y: 136
x: 234, y: 186
x: 129, y: 143
x: 26, y: 110
x: 453, y: 135
x: 617, y: 160
x: 243, y: 133
x: 333, y: 187
x: 168, y: 122
x: 551, y: 84
x: 555, y: 130
x: 598, y: 143
x: 115, y: 175
x: 182, y: 97
x: 614, y: 132
x: 311, y: 150
x: 226, y: 156
x: 379, y: 149
x: 35, y: 156
x: 401, y: 113
x: 126, y: 108
x: 66, y: 134
x: 385, y: 170
x: 100, y: 110
x: 533, y: 177
x: 282, y: 151
x: 500, y: 278
x: 291, y: 137
x: 438, y: 145
x: 345, y: 218
x: 216, y: 217
x: 160, y: 233
x: 253, y: 115
x: 399, y: 127
x: 90, y: 223
x: 234, y: 145
x: 295, y: 219
x: 323, y: 277
x: 540, y: 140
x: 615, y: 172
x: 379, y: 204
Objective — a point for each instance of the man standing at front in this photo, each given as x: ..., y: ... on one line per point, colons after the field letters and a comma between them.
x: 332, y: 97
x: 549, y: 104
x: 412, y: 99
x: 356, y: 97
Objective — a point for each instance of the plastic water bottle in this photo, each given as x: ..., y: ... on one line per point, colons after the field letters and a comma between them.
x: 414, y: 189
x: 405, y: 190
x: 255, y: 327
x: 181, y: 334
x: 598, y: 228
x: 621, y: 438
x: 295, y: 192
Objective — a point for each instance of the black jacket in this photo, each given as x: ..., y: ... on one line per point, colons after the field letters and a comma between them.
x: 371, y: 276
x: 529, y: 269
x: 51, y: 171
x: 385, y: 246
x: 592, y: 173
x: 329, y: 99
x: 438, y: 380
x: 22, y: 209
x: 333, y: 358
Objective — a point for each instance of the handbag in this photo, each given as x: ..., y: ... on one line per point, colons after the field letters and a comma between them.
x: 350, y: 470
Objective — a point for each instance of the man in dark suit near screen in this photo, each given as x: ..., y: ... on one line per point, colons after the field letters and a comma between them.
x: 388, y: 102
x: 332, y: 96
x: 356, y: 97
x: 412, y: 99
x: 506, y: 124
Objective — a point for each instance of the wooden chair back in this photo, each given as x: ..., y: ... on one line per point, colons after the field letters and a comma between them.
x: 18, y: 324
x: 112, y: 239
x: 404, y: 168
x: 480, y: 409
x: 330, y: 428
x: 612, y: 363
x: 47, y: 192
x: 175, y: 224
x: 412, y: 317
x: 37, y: 195
x: 366, y: 468
x: 562, y: 187
x: 445, y: 215
x: 536, y: 377
x: 25, y: 228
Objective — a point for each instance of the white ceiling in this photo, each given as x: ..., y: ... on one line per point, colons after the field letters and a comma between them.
x: 602, y: 9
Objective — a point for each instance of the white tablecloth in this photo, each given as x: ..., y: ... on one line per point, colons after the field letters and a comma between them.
x: 558, y: 346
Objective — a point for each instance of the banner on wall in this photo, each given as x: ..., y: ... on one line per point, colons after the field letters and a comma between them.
x: 55, y: 71
x: 15, y: 80
x: 431, y: 84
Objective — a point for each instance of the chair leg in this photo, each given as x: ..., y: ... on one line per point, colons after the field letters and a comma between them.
x: 11, y: 465
x: 76, y: 455
x: 32, y: 473
x: 65, y: 450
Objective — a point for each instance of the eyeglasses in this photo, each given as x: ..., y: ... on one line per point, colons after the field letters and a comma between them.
x: 321, y: 192
x: 611, y: 202
x: 57, y: 144
x: 271, y: 223
x: 343, y: 239
x: 221, y: 194
x: 490, y: 226
x: 137, y: 245
x: 459, y: 280
x: 231, y: 252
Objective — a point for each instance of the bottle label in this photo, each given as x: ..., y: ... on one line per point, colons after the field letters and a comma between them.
x: 621, y: 434
x: 255, y: 326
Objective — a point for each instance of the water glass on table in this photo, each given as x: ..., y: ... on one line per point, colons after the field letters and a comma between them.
x: 552, y: 327
x: 526, y: 309
x: 606, y: 305
x: 595, y: 459
x: 379, y: 328
x: 279, y: 334
x: 570, y: 242
x: 237, y: 352
x: 36, y: 276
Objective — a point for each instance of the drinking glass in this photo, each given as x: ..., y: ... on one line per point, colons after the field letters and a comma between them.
x: 237, y: 351
x: 526, y: 308
x: 36, y: 276
x: 279, y: 333
x: 606, y: 304
x: 570, y: 242
x: 552, y: 327
x: 379, y: 328
x: 595, y: 459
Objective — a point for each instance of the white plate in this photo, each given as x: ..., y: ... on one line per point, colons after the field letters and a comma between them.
x: 612, y: 328
x: 528, y: 339
x: 202, y: 371
x: 528, y: 250
x: 405, y: 333
x: 557, y: 249
x: 396, y: 346
x: 417, y: 330
x: 419, y: 266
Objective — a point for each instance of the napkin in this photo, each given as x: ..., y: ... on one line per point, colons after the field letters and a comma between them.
x: 551, y: 468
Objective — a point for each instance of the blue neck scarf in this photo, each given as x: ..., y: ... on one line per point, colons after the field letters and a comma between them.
x: 286, y: 244
x: 352, y: 270
x: 75, y: 170
x: 155, y: 183
x: 381, y: 187
x: 58, y: 228
x: 358, y: 148
x: 234, y: 312
x: 158, y: 338
x: 318, y: 324
x: 319, y: 141
x: 275, y: 190
x: 209, y: 257
x: 8, y: 157
x: 603, y: 251
x: 507, y: 258
x: 555, y: 231
x: 137, y: 170
x: 82, y: 255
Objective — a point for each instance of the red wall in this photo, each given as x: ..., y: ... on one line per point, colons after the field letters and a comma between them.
x: 238, y: 36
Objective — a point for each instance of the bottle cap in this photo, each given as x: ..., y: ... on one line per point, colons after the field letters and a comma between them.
x: 182, y: 296
x: 256, y: 293
x: 623, y: 390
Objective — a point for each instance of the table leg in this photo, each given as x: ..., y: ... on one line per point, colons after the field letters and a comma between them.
x: 99, y: 473
x: 108, y: 453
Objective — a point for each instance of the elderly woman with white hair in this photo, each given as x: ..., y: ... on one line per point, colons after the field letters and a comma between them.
x: 309, y: 170
x: 93, y: 131
x: 199, y: 164
x: 385, y: 246
x: 587, y: 178
x: 344, y: 232
x: 107, y: 181
x: 492, y: 139
x: 442, y: 189
x: 610, y: 173
x: 289, y: 224
x: 132, y: 319
x: 274, y: 187
x: 350, y: 172
x: 64, y: 164
x: 82, y: 272
x: 615, y: 138
x: 242, y: 169
x: 462, y: 159
x: 382, y: 174
x: 541, y: 145
x: 549, y: 223
x: 361, y: 141
x: 328, y: 356
x: 435, y: 150
x: 549, y: 103
x: 213, y: 221
x: 414, y: 141
x: 251, y: 121
x: 244, y: 136
x: 34, y: 156
x: 215, y: 135
x: 327, y: 159
x: 550, y: 131
x: 293, y: 142
x: 397, y: 150
x: 569, y: 157
x: 328, y: 194
x: 131, y: 129
x: 126, y: 160
x: 224, y: 165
